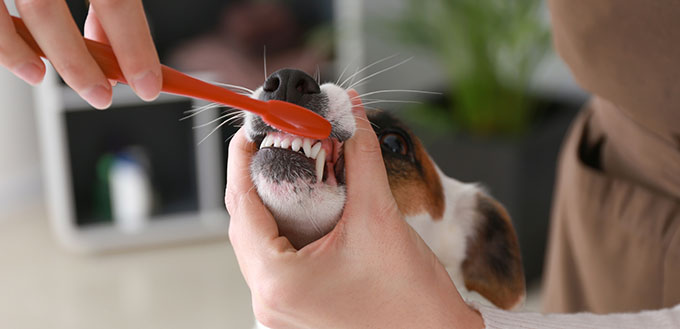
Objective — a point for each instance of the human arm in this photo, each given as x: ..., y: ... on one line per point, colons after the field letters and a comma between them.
x: 121, y: 23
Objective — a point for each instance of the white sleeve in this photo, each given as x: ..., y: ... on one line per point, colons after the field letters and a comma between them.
x: 499, y: 319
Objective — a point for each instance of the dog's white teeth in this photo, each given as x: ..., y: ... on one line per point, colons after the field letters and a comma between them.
x: 267, y: 141
x: 277, y: 141
x: 296, y: 144
x: 320, y: 162
x: 315, y: 150
x: 285, y: 143
x: 307, y: 147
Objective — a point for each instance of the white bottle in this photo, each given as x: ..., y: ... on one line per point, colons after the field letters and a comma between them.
x: 131, y: 195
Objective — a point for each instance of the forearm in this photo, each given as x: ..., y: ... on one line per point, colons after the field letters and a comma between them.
x: 499, y: 319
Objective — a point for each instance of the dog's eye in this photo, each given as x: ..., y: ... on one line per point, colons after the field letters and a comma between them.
x: 394, y: 143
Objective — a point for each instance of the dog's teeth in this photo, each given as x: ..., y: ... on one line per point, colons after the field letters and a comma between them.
x: 307, y: 146
x: 320, y: 162
x: 296, y: 144
x: 315, y: 150
x: 268, y: 141
x: 277, y: 141
x: 285, y: 143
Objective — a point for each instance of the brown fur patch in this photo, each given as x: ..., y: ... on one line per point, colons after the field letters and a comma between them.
x: 417, y: 190
x: 493, y: 265
x: 414, y: 181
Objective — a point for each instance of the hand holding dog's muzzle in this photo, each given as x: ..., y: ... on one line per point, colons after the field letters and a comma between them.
x: 369, y: 271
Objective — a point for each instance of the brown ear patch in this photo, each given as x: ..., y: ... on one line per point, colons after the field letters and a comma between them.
x: 493, y: 265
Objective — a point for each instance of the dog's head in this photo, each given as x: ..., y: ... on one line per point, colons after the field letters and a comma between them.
x: 302, y: 182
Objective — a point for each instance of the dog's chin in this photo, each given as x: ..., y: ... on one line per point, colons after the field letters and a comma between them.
x: 305, y: 206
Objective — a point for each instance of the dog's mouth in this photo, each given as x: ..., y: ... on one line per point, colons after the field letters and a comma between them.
x: 285, y: 158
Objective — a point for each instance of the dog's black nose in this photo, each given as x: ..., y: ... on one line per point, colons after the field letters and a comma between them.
x: 289, y: 85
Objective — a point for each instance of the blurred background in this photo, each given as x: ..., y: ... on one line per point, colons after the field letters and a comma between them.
x: 114, y: 218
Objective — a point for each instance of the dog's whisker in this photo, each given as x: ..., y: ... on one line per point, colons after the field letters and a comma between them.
x: 264, y: 57
x: 230, y: 115
x: 228, y: 85
x: 379, y: 72
x: 317, y: 74
x: 392, y: 101
x: 233, y: 119
x: 212, y: 121
x: 397, y: 91
x: 362, y: 119
x: 212, y: 131
x: 230, y: 137
x: 341, y: 74
x: 200, y: 110
x: 366, y: 68
x: 372, y: 108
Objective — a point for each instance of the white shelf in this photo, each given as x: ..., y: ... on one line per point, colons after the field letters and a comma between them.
x: 54, y: 101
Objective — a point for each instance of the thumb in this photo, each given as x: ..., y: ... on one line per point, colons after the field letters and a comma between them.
x: 365, y: 169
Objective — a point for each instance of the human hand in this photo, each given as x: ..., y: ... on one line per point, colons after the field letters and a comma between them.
x: 372, y: 270
x: 120, y: 23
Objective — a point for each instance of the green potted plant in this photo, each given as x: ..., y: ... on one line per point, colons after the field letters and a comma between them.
x: 490, y: 128
x: 489, y: 49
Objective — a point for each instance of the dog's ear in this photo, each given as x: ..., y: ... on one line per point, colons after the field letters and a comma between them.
x: 493, y: 265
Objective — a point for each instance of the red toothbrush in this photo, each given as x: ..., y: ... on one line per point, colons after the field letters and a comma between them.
x: 281, y: 115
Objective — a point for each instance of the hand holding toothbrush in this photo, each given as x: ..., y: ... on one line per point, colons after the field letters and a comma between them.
x: 121, y: 23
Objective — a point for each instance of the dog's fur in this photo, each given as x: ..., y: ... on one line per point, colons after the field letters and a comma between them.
x: 470, y: 232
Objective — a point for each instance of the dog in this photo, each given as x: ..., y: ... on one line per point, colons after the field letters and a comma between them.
x: 302, y: 182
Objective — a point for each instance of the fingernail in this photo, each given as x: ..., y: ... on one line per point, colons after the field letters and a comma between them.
x: 147, y: 86
x: 98, y: 96
x: 29, y: 72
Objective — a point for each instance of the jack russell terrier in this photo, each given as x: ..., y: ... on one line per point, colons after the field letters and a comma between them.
x: 302, y: 182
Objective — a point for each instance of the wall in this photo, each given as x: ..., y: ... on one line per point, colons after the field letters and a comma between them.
x: 19, y: 159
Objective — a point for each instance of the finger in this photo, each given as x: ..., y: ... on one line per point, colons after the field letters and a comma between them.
x: 15, y: 54
x: 126, y: 27
x: 94, y: 31
x: 251, y: 225
x: 365, y: 169
x: 54, y: 30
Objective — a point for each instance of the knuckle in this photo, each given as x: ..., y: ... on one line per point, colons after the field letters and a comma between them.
x: 231, y: 200
x: 108, y: 3
x: 272, y: 294
x: 7, y: 50
x: 385, y: 210
x: 233, y: 236
x: 32, y: 6
x: 369, y: 146
x: 78, y: 76
x: 265, y: 316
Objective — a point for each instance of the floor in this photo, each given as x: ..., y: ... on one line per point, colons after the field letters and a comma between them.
x: 188, y: 286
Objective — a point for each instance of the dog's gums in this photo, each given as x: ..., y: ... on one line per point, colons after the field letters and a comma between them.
x: 302, y: 182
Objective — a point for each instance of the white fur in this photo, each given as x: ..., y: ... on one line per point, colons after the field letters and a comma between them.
x: 317, y: 208
x: 448, y: 236
x: 339, y: 108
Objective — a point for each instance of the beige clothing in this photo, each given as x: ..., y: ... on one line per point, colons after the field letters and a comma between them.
x: 615, y: 232
x: 495, y: 318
